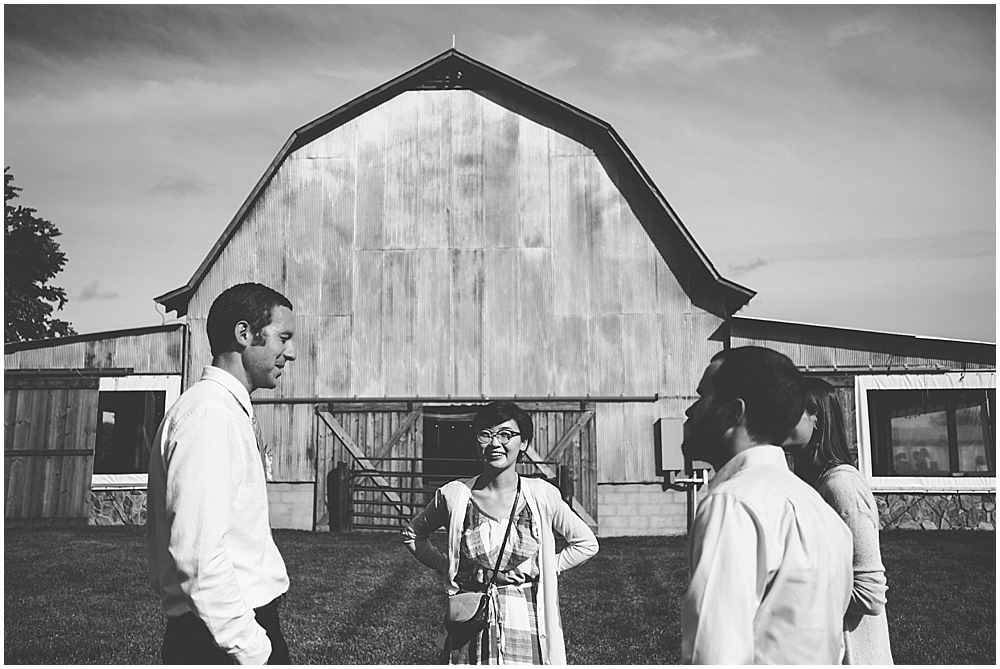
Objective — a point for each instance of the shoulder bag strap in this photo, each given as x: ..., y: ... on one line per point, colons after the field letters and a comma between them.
x: 510, y: 522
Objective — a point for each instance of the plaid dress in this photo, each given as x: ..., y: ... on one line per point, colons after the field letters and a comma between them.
x: 512, y: 635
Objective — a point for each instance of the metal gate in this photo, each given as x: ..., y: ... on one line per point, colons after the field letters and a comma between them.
x: 372, y: 473
x: 377, y: 494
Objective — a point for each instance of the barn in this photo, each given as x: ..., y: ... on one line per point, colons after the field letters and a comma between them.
x: 456, y: 236
x: 921, y: 413
x: 79, y: 416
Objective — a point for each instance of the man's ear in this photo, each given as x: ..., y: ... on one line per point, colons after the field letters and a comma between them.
x: 243, y: 334
x: 734, y: 411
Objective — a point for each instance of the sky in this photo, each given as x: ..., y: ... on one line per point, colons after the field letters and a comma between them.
x: 838, y: 160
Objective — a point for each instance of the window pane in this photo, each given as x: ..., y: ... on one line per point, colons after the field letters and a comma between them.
x: 971, y: 444
x: 922, y: 432
x: 920, y: 443
x: 127, y: 422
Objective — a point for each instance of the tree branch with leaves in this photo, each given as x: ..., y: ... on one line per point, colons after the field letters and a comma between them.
x: 32, y: 258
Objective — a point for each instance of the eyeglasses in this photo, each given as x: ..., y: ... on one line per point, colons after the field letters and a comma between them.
x: 503, y: 436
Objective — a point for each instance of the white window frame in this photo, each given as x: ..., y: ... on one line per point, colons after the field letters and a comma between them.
x: 947, y: 381
x: 171, y: 384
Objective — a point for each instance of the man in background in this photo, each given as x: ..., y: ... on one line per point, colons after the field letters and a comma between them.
x: 771, y: 572
x: 211, y: 556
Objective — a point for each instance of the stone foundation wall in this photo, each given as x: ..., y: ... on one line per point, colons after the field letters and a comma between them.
x: 117, y: 507
x: 640, y: 510
x: 624, y: 510
x: 925, y: 511
x: 290, y: 506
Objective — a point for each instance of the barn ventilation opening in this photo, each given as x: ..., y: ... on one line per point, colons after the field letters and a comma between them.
x: 449, y: 444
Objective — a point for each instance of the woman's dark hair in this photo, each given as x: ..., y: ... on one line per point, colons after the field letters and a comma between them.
x: 770, y: 386
x: 830, y: 437
x: 502, y: 411
x: 250, y: 302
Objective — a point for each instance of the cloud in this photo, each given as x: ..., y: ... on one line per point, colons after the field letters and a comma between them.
x: 851, y: 246
x: 92, y: 291
x: 853, y: 29
x: 180, y: 186
x: 684, y: 46
x: 534, y: 54
x: 740, y: 270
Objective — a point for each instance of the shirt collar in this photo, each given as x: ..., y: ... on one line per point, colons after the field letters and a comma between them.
x: 230, y: 383
x: 766, y: 455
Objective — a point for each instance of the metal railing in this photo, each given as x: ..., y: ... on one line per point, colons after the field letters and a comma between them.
x: 390, y: 494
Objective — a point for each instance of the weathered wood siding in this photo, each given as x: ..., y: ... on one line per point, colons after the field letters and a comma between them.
x: 159, y: 352
x: 441, y: 245
x: 49, y: 439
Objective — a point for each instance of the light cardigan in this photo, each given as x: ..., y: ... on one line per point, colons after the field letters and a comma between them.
x: 549, y: 513
x: 866, y: 628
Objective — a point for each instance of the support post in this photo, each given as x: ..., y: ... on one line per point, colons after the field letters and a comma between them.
x: 566, y: 482
x: 338, y: 497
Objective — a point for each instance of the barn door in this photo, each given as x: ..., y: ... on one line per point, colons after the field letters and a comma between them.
x: 383, y: 444
x: 50, y: 428
x: 565, y: 433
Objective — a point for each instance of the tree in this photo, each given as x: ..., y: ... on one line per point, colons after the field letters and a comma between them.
x: 31, y: 260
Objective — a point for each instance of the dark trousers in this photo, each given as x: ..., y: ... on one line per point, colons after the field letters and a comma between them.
x: 188, y: 641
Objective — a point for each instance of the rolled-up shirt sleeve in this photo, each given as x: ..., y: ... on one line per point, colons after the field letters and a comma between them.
x: 203, y: 474
x: 718, y: 612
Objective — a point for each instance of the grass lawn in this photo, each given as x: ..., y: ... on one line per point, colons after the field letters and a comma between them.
x: 79, y: 596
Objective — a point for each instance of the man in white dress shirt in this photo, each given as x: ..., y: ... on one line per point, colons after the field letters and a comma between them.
x: 771, y: 571
x: 211, y: 556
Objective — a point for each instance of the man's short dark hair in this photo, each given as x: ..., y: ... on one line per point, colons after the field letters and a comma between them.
x: 502, y: 411
x: 770, y: 386
x: 250, y: 302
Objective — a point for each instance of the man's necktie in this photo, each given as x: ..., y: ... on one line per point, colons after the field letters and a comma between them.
x: 261, y: 448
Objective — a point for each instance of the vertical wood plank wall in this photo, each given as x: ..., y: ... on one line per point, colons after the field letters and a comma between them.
x: 45, y: 421
x: 441, y: 244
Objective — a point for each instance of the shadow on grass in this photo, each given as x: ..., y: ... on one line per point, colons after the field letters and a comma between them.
x: 79, y: 596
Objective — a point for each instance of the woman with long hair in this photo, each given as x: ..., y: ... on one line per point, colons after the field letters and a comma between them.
x: 523, y: 625
x: 825, y: 462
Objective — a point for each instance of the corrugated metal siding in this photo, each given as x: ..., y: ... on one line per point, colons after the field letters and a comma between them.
x: 150, y: 353
x: 625, y: 433
x: 289, y: 431
x: 808, y: 355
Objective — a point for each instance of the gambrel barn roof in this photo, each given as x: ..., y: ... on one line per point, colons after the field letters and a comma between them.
x: 454, y: 70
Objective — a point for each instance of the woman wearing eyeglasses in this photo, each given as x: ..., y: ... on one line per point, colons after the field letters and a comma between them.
x: 524, y: 625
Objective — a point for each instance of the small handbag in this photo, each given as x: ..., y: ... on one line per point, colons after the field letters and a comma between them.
x: 468, y: 613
